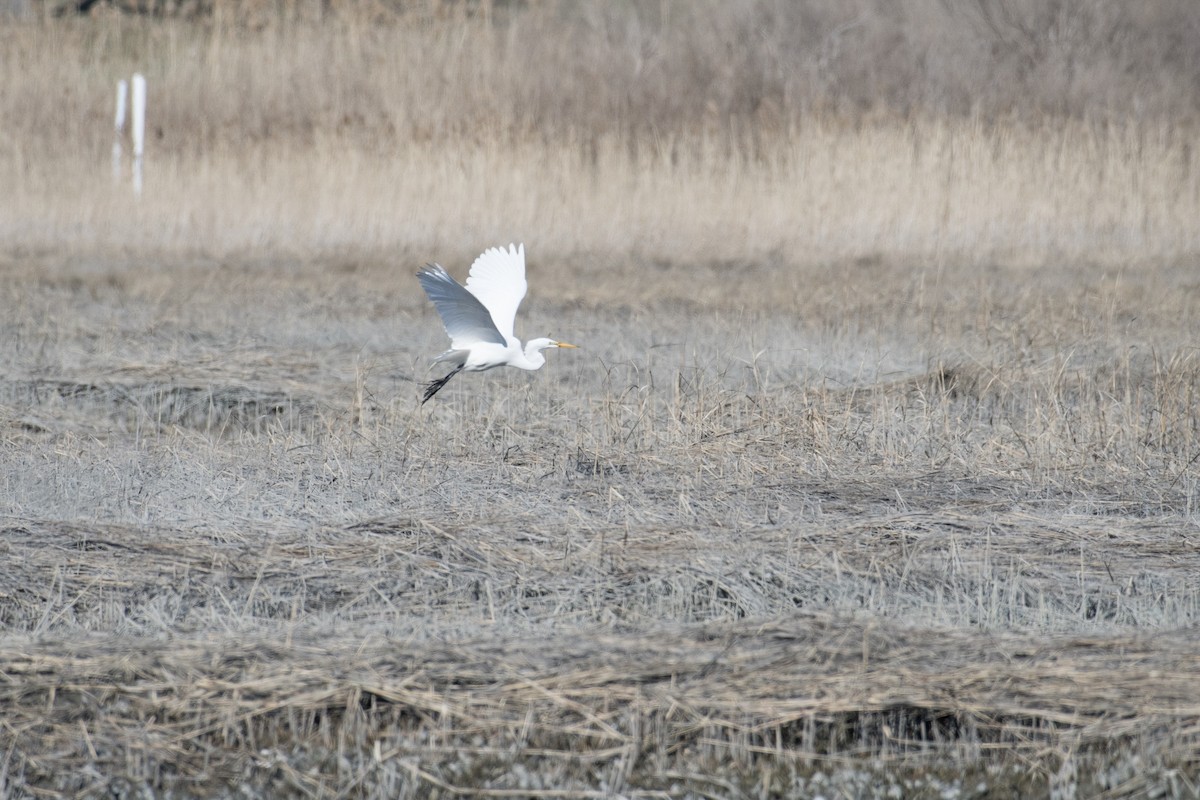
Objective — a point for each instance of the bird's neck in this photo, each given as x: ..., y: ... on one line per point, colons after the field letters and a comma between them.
x: 531, y: 357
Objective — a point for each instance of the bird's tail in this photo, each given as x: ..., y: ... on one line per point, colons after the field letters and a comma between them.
x: 453, y: 356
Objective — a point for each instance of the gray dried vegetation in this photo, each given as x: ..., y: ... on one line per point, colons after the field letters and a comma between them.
x: 789, y: 526
x: 719, y: 552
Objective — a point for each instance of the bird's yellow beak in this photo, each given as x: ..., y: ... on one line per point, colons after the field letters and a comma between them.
x: 564, y: 344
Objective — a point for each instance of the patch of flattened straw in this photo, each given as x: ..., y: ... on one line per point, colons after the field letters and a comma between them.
x: 488, y: 715
x: 202, y: 407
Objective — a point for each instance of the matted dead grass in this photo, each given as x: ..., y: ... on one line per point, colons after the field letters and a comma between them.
x: 709, y: 710
x: 721, y: 552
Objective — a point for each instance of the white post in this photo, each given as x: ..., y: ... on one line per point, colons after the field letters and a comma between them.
x: 138, y: 106
x: 119, y: 128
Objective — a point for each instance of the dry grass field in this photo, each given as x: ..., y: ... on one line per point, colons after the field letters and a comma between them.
x: 877, y: 474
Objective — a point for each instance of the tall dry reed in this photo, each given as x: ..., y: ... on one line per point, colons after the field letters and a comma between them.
x: 696, y: 132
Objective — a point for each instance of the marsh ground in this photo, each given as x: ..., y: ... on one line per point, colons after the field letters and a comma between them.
x: 715, y: 545
x: 877, y: 472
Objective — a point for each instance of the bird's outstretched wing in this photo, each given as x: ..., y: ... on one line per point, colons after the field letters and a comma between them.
x: 498, y: 279
x: 466, y: 319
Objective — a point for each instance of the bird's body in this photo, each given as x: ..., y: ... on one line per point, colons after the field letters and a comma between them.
x: 479, y: 317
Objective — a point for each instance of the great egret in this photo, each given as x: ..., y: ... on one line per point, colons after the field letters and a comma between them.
x: 479, y: 317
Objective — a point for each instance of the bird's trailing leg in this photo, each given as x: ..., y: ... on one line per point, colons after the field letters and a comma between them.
x: 432, y: 387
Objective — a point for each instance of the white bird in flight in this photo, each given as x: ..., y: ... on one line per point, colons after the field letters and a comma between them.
x: 479, y: 317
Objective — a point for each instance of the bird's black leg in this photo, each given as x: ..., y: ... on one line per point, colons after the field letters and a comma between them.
x: 432, y: 387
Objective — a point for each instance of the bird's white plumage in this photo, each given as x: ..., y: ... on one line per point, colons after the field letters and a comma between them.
x: 497, y: 279
x: 468, y: 321
x: 479, y: 317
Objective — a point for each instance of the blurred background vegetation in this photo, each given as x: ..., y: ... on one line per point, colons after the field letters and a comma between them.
x: 841, y: 129
x: 382, y: 71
